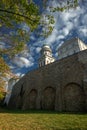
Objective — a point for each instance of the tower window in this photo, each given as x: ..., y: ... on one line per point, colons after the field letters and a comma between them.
x: 47, y: 62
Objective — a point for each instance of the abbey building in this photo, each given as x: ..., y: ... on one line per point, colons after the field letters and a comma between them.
x: 56, y: 85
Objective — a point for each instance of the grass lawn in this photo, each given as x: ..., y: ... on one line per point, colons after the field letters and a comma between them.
x: 41, y: 120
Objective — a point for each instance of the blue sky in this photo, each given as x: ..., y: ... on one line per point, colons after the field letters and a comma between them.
x: 68, y: 24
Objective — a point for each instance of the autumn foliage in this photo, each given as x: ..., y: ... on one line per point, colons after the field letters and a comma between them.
x: 3, y: 69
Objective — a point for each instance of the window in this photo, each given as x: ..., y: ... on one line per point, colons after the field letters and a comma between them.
x: 47, y: 62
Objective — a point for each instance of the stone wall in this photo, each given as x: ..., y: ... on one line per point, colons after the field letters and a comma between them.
x: 60, y: 86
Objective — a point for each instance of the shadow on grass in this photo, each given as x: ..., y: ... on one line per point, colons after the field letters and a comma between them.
x: 18, y: 111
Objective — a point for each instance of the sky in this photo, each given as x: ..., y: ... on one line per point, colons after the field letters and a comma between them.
x: 68, y: 24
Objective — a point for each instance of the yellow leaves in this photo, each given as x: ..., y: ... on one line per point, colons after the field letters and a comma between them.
x: 6, y: 3
x: 3, y: 69
x: 16, y: 7
x: 2, y: 90
x: 19, y: 47
x: 1, y: 96
x: 19, y: 11
x: 47, y: 23
x: 3, y: 66
x: 70, y: 4
x: 0, y: 24
x: 15, y: 12
x: 21, y: 32
x: 16, y: 49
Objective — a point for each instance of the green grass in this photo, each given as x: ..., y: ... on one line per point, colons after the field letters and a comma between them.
x: 42, y: 120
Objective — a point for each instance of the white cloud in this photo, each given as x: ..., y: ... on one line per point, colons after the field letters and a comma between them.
x: 38, y: 49
x: 20, y: 74
x: 84, y: 19
x: 25, y: 53
x: 32, y: 37
x: 52, y: 37
x: 66, y: 22
x: 82, y: 31
x: 60, y: 37
x: 22, y: 62
x: 25, y: 27
x: 65, y: 31
x: 2, y: 45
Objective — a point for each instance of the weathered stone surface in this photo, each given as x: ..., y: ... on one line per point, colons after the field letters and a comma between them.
x: 60, y: 86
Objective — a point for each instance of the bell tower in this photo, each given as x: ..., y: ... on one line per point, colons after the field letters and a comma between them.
x: 46, y: 56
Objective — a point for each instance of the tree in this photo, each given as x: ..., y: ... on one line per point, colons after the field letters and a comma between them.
x: 3, y: 68
x: 13, y: 13
x: 2, y: 94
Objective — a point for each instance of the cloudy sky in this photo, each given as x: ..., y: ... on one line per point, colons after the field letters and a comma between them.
x: 68, y: 24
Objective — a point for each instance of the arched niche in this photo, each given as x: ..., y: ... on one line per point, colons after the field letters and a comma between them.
x: 20, y: 97
x: 48, y: 98
x: 32, y: 99
x: 74, y: 99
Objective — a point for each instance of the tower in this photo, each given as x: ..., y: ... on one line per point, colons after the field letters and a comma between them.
x: 71, y: 47
x: 46, y: 56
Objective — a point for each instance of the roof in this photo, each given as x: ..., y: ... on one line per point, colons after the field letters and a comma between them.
x: 70, y: 41
x: 46, y: 48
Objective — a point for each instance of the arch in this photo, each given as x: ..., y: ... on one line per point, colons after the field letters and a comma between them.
x: 48, y: 98
x: 20, y: 97
x: 32, y: 99
x: 74, y: 99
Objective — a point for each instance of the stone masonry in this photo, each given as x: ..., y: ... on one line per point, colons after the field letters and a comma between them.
x: 60, y: 86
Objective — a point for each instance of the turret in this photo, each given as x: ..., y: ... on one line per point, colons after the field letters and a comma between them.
x: 46, y: 56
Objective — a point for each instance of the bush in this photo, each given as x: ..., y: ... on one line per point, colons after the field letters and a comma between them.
x: 2, y: 95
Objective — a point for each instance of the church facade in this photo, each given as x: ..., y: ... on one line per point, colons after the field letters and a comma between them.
x: 59, y: 85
